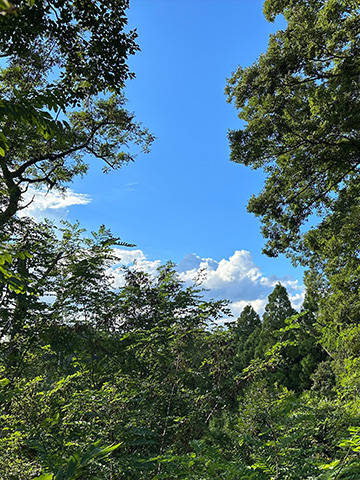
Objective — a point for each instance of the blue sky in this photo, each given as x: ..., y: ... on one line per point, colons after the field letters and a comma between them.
x: 185, y: 198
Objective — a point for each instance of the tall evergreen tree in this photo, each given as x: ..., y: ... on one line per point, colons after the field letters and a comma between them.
x: 245, y: 334
x: 246, y: 324
x: 277, y: 310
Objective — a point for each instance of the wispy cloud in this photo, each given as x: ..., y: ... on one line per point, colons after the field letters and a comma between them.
x: 130, y: 187
x: 42, y: 203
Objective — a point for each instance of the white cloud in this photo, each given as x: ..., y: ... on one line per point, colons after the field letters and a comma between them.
x: 297, y: 299
x: 130, y: 187
x: 126, y: 257
x: 133, y: 259
x: 52, y: 204
x: 237, y: 278
x: 258, y: 305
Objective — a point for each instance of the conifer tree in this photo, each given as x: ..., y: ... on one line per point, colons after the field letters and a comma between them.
x: 246, y: 333
x: 277, y: 310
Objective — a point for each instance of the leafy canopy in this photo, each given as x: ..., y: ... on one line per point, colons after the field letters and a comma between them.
x: 64, y: 68
x: 299, y: 101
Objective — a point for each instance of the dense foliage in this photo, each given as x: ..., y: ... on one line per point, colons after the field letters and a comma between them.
x: 48, y: 121
x: 299, y: 102
x: 143, y: 382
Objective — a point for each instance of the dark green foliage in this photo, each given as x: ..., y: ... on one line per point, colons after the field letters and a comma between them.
x: 245, y: 335
x: 134, y: 366
x: 277, y: 310
x: 333, y: 277
x: 141, y: 383
x: 299, y: 102
x: 145, y: 368
x: 245, y: 325
x: 292, y: 337
x: 323, y: 379
x: 61, y: 94
x: 85, y: 40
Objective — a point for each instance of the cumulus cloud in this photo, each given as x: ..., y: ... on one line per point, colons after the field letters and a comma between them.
x: 258, y: 305
x: 134, y: 259
x: 43, y: 203
x: 237, y: 278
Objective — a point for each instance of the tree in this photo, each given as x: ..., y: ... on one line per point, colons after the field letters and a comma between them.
x: 62, y: 94
x: 277, y: 310
x: 274, y: 334
x: 300, y: 104
x: 86, y: 40
x: 334, y: 277
x: 137, y: 365
x: 248, y: 321
x: 289, y: 341
x: 245, y: 334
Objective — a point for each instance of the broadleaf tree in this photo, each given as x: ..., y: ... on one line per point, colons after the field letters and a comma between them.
x: 62, y: 78
x: 299, y: 101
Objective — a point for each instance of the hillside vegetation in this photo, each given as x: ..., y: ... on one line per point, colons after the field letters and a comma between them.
x: 143, y: 382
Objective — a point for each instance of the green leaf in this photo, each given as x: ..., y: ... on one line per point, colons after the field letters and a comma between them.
x: 4, y: 382
x: 7, y: 257
x: 71, y: 468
